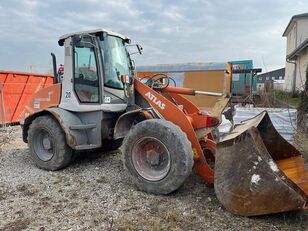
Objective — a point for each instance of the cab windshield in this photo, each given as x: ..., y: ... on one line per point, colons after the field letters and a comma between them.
x: 116, y: 61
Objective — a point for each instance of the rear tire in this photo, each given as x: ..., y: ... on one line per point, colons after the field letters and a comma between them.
x: 47, y: 144
x: 158, y: 156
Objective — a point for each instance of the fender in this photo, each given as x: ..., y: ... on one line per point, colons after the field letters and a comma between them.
x: 65, y: 119
x: 126, y: 121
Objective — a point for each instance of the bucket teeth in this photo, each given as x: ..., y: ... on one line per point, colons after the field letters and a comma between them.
x: 251, y: 175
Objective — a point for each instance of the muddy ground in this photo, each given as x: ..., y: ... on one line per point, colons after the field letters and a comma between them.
x: 95, y: 193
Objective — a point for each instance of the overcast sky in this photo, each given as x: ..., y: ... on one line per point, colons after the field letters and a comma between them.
x: 170, y: 31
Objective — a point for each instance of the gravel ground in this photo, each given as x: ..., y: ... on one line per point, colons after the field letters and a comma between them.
x: 94, y: 193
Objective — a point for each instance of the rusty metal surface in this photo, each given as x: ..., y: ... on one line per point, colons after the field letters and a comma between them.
x: 248, y: 182
x: 276, y: 145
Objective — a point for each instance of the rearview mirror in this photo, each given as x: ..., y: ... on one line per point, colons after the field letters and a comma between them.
x: 139, y: 49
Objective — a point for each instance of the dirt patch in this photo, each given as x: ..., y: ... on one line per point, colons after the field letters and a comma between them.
x: 95, y: 193
x: 5, y: 135
x: 27, y: 189
x: 19, y: 224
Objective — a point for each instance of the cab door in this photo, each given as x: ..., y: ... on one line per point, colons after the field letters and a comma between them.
x: 83, y: 86
x: 86, y: 72
x: 81, y: 82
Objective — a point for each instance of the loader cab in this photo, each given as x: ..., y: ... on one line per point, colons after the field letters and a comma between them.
x: 94, y: 63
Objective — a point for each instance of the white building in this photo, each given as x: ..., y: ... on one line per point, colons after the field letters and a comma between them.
x: 297, y: 53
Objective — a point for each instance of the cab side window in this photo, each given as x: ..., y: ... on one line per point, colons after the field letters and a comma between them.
x: 86, y: 81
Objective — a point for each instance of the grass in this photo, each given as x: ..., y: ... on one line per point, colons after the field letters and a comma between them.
x: 287, y: 98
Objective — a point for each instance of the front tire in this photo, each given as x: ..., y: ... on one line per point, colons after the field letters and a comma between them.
x: 47, y: 144
x: 158, y: 156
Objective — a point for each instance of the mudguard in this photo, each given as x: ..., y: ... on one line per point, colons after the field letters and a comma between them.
x: 126, y: 121
x: 67, y: 119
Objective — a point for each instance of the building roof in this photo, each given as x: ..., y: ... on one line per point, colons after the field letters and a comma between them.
x: 293, y: 55
x: 179, y: 67
x: 275, y: 73
x: 292, y: 21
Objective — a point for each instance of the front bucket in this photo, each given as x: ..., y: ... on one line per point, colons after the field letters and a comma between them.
x: 258, y: 172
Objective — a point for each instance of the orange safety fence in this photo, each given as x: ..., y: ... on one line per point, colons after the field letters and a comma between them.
x: 16, y: 89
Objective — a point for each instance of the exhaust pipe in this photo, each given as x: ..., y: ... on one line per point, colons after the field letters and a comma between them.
x: 54, y: 66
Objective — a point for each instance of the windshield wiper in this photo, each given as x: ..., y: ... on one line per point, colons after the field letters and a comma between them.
x: 117, y: 73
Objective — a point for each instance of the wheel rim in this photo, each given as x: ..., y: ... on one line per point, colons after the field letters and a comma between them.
x: 151, y: 159
x: 43, y: 145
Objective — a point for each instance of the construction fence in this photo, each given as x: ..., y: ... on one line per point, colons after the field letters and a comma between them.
x: 16, y: 89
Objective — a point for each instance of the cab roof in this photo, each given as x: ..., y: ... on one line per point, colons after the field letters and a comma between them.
x: 96, y: 31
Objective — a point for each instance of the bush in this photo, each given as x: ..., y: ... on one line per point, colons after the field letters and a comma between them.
x: 303, y: 106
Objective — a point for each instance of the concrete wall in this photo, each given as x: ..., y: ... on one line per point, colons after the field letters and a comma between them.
x: 302, y: 61
x: 278, y: 86
x: 302, y: 32
x: 291, y: 40
x: 301, y: 64
x: 296, y: 36
x: 289, y: 73
x: 289, y: 76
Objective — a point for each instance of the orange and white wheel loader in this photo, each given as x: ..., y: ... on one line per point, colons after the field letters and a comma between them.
x: 99, y: 103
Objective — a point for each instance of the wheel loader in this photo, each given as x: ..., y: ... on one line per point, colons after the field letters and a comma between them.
x: 100, y: 103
